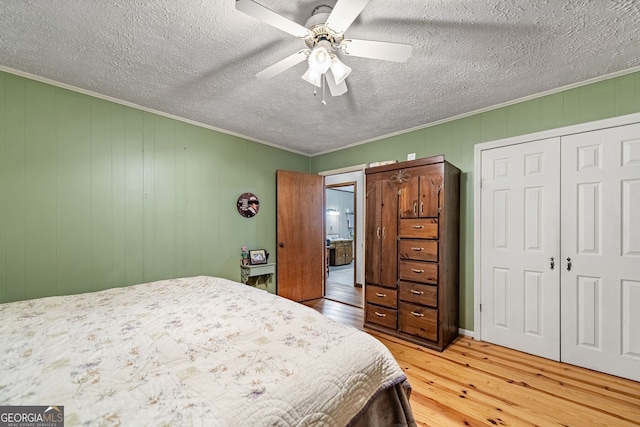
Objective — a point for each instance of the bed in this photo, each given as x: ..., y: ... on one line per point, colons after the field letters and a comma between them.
x: 202, y: 351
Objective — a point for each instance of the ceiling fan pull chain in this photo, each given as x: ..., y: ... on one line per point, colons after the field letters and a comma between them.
x: 323, y: 83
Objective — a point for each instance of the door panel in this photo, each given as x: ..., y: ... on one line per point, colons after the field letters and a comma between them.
x: 430, y: 187
x: 373, y: 232
x: 389, y: 243
x: 408, y: 198
x: 300, y: 244
x: 601, y: 236
x: 381, y: 230
x: 519, y: 236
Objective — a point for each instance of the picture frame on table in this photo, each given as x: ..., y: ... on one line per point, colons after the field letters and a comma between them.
x: 257, y: 256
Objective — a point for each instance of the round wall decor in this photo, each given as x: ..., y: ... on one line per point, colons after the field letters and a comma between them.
x: 248, y: 205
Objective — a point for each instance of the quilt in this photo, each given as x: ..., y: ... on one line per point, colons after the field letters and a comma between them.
x: 202, y: 351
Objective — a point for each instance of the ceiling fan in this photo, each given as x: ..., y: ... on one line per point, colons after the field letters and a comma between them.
x: 323, y: 34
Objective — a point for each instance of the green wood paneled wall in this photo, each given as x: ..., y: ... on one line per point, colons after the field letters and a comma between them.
x: 94, y: 194
x: 456, y: 140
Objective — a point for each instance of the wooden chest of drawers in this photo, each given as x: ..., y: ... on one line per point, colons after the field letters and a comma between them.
x: 422, y: 304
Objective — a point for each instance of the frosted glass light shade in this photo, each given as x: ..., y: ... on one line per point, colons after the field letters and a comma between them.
x: 340, y: 70
x: 313, y: 77
x: 320, y: 60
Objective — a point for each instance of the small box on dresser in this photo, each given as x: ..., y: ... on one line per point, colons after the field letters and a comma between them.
x: 412, y: 247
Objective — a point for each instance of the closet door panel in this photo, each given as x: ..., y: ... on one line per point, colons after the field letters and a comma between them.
x: 601, y: 250
x: 519, y: 236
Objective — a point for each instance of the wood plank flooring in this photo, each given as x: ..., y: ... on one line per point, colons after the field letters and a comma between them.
x: 474, y: 383
x: 339, y: 287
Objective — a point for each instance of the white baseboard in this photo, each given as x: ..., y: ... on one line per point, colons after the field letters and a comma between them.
x: 465, y: 332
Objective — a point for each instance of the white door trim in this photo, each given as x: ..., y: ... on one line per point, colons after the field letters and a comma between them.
x: 477, y: 174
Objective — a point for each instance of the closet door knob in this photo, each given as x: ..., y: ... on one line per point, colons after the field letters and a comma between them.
x: 553, y: 263
x: 568, y: 264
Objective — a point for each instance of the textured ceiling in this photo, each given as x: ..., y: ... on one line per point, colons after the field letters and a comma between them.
x: 197, y: 60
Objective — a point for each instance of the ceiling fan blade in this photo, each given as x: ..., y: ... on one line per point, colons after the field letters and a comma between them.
x: 268, y: 16
x: 283, y: 65
x: 336, y: 90
x: 386, y: 51
x: 344, y: 13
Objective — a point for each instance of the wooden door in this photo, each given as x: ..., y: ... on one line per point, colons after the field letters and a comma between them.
x: 520, y: 216
x: 408, y: 197
x: 300, y: 244
x: 373, y: 227
x: 381, y: 228
x: 430, y: 187
x: 420, y: 196
x: 389, y: 235
x: 601, y: 238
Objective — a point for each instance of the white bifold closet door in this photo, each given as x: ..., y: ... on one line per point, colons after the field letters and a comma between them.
x: 575, y: 199
x: 520, y: 233
x: 601, y: 238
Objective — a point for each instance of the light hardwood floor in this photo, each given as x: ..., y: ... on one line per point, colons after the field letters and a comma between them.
x: 339, y: 286
x: 474, y: 383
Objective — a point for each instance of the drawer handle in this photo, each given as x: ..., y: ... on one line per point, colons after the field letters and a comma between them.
x: 418, y: 226
x: 417, y: 249
x: 380, y: 314
x: 416, y: 314
x: 378, y: 294
x: 413, y: 291
x: 417, y: 271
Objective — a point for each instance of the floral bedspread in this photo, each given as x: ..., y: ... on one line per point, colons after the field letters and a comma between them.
x: 199, y: 351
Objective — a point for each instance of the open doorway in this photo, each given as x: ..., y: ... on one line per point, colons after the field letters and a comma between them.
x: 351, y: 217
x: 341, y: 232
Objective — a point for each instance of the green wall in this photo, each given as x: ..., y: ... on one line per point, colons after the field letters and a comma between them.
x: 94, y: 194
x: 456, y: 140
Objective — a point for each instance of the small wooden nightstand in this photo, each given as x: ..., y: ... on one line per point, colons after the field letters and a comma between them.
x: 254, y: 274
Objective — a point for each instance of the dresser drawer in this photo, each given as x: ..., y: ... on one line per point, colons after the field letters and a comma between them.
x: 419, y: 294
x: 419, y: 321
x: 421, y: 228
x: 381, y: 296
x: 420, y: 250
x: 418, y: 271
x: 382, y: 316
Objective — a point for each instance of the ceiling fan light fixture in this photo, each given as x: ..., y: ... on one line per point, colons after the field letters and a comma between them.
x: 313, y: 77
x: 339, y: 69
x: 319, y: 60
